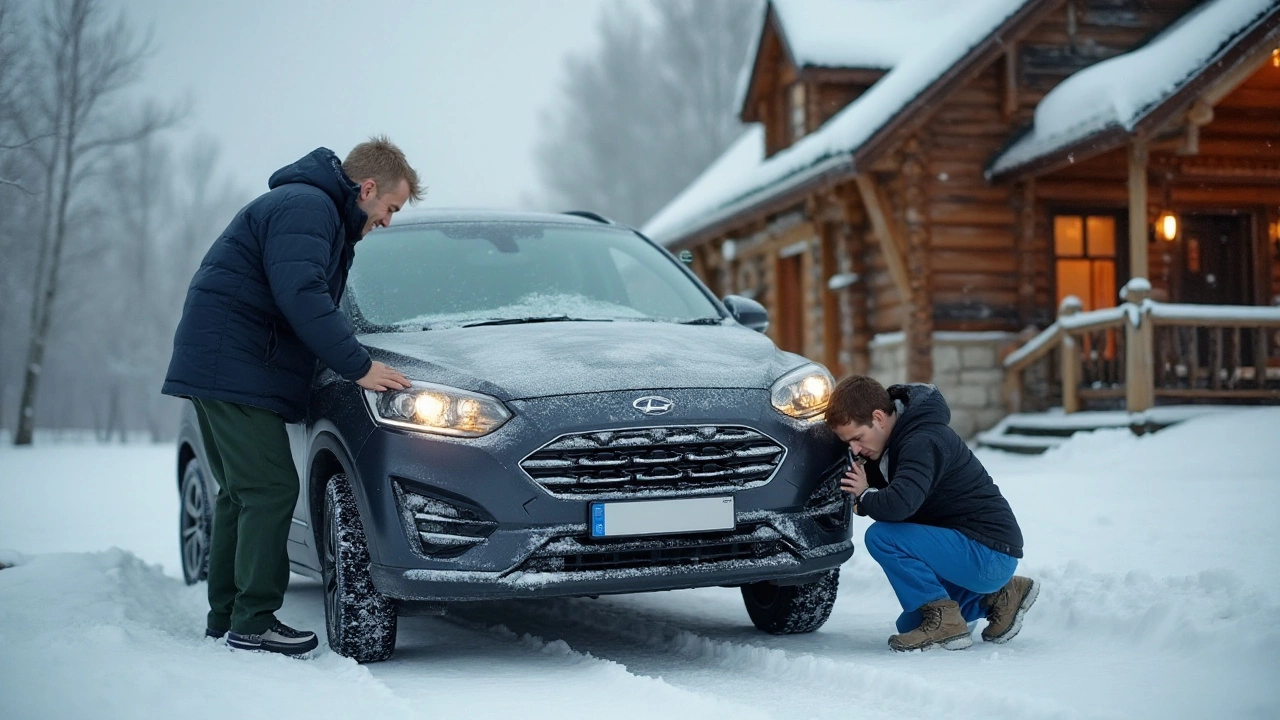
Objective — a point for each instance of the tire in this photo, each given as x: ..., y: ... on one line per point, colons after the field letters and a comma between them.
x: 360, y: 620
x: 195, y: 523
x: 790, y: 609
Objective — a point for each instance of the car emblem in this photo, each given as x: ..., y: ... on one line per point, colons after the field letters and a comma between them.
x: 653, y: 405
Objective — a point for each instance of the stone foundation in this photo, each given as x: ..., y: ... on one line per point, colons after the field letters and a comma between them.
x: 966, y: 369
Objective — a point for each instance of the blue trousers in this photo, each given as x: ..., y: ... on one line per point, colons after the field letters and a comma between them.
x: 926, y: 563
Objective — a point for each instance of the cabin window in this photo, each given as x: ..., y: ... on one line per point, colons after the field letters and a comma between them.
x: 1085, y: 259
x: 798, y: 127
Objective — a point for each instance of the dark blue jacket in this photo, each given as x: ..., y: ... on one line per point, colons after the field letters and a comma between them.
x: 263, y: 306
x: 934, y: 479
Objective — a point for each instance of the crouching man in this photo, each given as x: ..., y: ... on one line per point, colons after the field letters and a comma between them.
x: 945, y: 536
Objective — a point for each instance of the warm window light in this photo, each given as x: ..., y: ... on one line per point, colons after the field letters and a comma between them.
x: 1275, y: 58
x: 1167, y: 226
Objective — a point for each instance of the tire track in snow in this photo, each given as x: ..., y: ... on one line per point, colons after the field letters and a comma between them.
x: 488, y: 670
x: 783, y: 683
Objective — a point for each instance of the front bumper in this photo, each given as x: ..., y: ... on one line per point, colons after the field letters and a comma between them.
x: 537, y: 542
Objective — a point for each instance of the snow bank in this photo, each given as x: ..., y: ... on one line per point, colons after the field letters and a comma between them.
x: 104, y: 635
x: 1156, y: 556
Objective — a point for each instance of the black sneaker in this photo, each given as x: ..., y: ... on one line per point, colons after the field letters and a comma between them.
x: 280, y: 638
x: 211, y: 633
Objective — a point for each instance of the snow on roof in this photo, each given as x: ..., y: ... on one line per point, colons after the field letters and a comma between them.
x: 876, y: 34
x: 1118, y: 92
x: 704, y: 192
x: 726, y: 187
x: 865, y: 34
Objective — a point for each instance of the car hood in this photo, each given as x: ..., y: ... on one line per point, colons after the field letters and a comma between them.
x: 514, y: 362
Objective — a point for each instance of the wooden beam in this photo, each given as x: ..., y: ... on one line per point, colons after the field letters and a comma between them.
x: 1024, y: 199
x: 1009, y: 103
x: 920, y: 302
x: 891, y: 243
x: 1138, y: 209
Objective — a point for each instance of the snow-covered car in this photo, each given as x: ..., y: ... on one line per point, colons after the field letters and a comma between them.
x: 586, y: 418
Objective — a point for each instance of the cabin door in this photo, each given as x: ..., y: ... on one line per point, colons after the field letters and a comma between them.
x: 1217, y: 260
x: 790, y: 304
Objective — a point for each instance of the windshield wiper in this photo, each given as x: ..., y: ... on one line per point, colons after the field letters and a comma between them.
x: 703, y: 321
x: 542, y: 319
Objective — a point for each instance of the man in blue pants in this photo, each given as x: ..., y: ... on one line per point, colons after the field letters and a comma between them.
x: 945, y: 536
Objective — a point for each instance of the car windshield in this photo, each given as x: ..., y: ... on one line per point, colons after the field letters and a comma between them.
x: 466, y: 273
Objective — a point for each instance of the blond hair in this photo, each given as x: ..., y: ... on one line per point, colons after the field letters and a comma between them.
x: 381, y: 160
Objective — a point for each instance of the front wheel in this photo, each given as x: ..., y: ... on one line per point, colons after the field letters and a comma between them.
x: 789, y: 609
x: 360, y: 620
x: 195, y: 523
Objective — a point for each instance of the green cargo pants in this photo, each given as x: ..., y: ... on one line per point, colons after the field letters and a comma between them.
x: 248, y: 453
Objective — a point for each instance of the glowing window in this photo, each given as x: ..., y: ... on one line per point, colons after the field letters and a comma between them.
x: 1084, y: 259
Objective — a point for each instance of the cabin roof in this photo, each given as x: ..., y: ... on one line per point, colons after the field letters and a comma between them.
x: 743, y: 178
x: 1120, y: 93
x: 844, y: 34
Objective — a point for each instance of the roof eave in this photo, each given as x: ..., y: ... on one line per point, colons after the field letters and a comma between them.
x: 757, y: 205
x: 1102, y: 141
x: 1264, y: 31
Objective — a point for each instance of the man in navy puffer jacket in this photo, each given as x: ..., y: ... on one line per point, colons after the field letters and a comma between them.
x: 261, y: 310
x: 944, y: 535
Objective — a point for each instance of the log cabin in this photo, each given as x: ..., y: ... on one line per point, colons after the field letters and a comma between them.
x: 1025, y: 202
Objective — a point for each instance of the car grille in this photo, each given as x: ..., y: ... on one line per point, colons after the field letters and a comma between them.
x: 666, y: 459
x: 576, y: 555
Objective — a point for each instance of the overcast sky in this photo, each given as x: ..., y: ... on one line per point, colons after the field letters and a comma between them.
x: 458, y: 85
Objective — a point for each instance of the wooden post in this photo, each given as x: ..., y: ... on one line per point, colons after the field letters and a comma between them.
x: 1024, y: 203
x: 829, y: 217
x: 857, y: 325
x: 1009, y: 96
x: 1069, y: 358
x: 920, y: 303
x: 1139, y: 351
x: 1138, y: 209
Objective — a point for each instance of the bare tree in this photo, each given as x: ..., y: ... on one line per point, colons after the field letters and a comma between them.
x: 89, y: 60
x: 641, y: 118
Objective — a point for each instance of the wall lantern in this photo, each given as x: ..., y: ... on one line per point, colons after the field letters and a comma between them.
x: 1167, y: 226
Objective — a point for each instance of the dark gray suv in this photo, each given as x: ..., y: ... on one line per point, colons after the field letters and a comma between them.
x: 586, y: 418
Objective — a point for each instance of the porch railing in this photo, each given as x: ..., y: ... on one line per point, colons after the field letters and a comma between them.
x: 1145, y: 352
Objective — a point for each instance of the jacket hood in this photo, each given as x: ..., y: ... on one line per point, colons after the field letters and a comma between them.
x: 515, y: 362
x: 923, y: 405
x: 322, y: 169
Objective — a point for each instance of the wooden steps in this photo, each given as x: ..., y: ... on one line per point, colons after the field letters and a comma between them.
x: 1034, y: 433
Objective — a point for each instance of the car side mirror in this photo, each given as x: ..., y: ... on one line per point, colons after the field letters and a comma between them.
x: 747, y: 312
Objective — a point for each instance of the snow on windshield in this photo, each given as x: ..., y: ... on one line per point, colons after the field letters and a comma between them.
x: 533, y: 305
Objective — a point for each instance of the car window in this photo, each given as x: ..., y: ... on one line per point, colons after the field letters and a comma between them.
x: 446, y: 275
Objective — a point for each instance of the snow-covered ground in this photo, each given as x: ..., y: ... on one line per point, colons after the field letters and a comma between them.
x: 1158, y: 557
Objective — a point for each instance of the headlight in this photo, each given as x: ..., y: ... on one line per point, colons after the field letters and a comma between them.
x: 432, y: 408
x: 803, y: 392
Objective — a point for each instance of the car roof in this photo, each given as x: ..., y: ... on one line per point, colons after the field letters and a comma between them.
x: 456, y: 215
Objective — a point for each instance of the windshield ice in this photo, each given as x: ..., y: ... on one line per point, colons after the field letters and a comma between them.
x: 533, y: 305
x: 447, y: 275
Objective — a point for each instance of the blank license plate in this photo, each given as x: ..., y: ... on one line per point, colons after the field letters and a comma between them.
x: 659, y: 517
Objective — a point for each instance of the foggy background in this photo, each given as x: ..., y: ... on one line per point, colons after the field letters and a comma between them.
x: 132, y: 130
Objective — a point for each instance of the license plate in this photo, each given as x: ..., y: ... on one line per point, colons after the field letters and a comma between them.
x: 661, y: 517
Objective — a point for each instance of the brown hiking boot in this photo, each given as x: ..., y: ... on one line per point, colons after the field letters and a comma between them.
x: 1006, y: 606
x: 941, y: 626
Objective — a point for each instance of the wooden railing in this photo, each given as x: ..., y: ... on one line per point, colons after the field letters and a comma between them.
x: 1143, y: 351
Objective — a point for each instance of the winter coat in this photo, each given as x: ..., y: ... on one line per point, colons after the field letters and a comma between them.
x: 263, y: 306
x: 934, y: 479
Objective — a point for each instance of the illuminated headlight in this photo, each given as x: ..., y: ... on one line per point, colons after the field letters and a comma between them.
x: 432, y: 408
x: 803, y: 392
